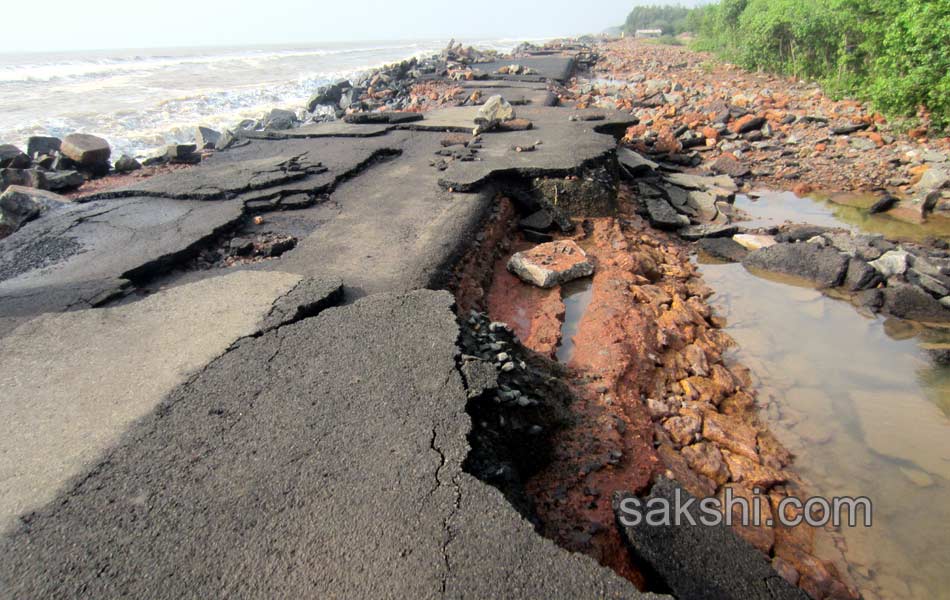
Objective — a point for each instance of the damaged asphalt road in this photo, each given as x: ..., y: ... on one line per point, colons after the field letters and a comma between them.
x: 320, y: 459
x: 294, y: 427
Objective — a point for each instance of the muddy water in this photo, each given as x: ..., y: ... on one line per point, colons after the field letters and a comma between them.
x: 835, y: 210
x: 860, y: 403
x: 576, y: 296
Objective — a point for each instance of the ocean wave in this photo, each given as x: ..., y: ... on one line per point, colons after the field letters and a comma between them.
x: 120, y: 65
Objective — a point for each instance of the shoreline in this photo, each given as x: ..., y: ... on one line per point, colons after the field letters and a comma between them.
x: 294, y: 199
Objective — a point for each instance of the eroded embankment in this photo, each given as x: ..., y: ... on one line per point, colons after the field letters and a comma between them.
x: 649, y: 393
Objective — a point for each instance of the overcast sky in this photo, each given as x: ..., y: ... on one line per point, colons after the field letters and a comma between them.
x: 91, y: 24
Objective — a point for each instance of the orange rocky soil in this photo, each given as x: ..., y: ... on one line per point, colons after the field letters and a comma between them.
x: 775, y: 131
x: 655, y: 394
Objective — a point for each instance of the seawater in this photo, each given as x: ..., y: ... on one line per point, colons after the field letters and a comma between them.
x: 140, y: 100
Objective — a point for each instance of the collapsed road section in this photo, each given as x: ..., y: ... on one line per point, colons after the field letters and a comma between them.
x: 318, y: 421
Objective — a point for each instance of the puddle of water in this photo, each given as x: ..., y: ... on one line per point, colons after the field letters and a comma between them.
x: 576, y: 295
x: 865, y: 414
x: 835, y: 210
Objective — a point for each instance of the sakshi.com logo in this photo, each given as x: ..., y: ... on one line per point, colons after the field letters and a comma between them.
x: 730, y: 509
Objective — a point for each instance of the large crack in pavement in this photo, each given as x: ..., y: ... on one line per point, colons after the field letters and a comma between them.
x: 203, y: 486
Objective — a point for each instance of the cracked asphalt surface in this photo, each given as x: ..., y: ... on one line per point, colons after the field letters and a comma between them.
x: 321, y: 459
x: 292, y: 428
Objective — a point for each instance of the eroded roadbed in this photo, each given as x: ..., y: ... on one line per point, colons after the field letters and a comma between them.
x: 242, y: 379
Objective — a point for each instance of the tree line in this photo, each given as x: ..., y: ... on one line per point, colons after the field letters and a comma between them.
x: 893, y: 53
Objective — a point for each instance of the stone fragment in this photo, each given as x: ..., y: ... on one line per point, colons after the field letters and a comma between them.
x: 14, y: 158
x: 551, y: 264
x: 754, y: 241
x: 683, y: 428
x: 708, y: 230
x: 495, y: 110
x: 634, y: 163
x: 910, y: 302
x: 206, y: 138
x: 87, y: 150
x: 182, y: 154
x: 723, y: 249
x: 664, y: 216
x: 731, y: 433
x: 823, y: 266
x: 127, y: 164
x: 279, y: 119
x: 328, y: 95
x: 58, y: 181
x: 860, y: 276
x: 540, y: 220
x: 891, y: 263
x: 42, y: 144
x: 742, y: 502
x: 19, y: 204
x: 706, y: 459
x: 750, y: 472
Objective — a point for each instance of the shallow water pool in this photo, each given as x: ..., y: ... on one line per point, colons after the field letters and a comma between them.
x: 834, y: 210
x: 857, y: 399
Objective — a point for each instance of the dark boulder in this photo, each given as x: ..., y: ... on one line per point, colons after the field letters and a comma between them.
x: 860, y: 276
x: 708, y: 230
x: 13, y: 158
x: 541, y: 220
x: 664, y: 216
x: 349, y: 98
x: 849, y: 128
x: 280, y: 119
x: 182, y: 154
x: 19, y: 205
x: 911, y: 302
x: 727, y: 165
x: 43, y: 144
x: 800, y: 233
x: 25, y: 177
x: 883, y: 205
x: 328, y: 95
x: 823, y: 266
x: 88, y: 151
x: 127, y: 164
x: 724, y: 249
x: 60, y: 181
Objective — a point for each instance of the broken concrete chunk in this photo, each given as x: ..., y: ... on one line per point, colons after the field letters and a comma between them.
x: 551, y: 264
x: 495, y: 110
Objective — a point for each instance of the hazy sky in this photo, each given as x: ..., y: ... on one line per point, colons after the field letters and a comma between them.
x: 70, y: 24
